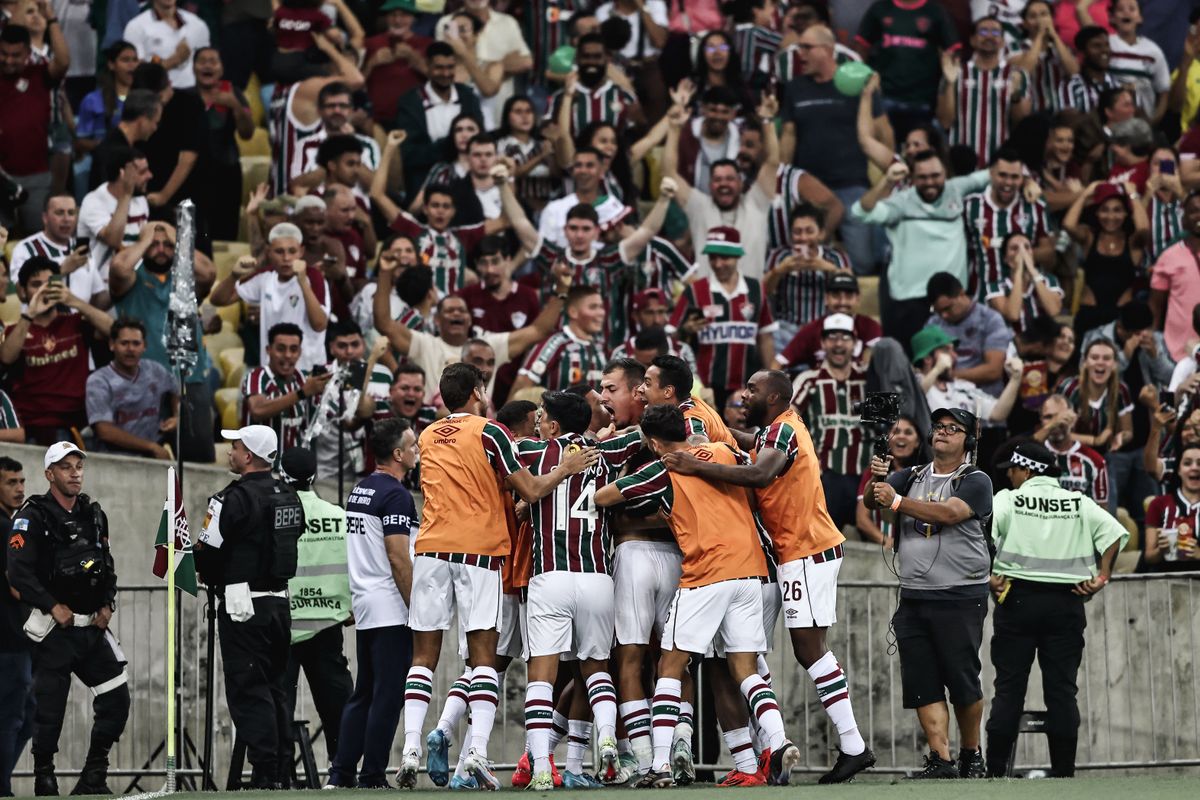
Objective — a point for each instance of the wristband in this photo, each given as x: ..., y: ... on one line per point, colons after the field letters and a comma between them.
x: 1103, y: 579
x: 896, y: 502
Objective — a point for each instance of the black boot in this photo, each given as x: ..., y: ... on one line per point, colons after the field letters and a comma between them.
x: 44, y: 782
x: 94, y: 777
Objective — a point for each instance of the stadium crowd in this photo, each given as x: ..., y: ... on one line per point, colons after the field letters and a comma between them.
x: 642, y: 226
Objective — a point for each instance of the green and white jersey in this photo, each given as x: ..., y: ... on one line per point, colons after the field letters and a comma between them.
x: 984, y: 101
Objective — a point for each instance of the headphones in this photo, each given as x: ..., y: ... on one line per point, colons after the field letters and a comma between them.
x: 970, y: 443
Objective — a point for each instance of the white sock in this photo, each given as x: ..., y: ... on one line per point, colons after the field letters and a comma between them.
x: 834, y: 692
x: 738, y: 742
x: 683, y: 730
x: 456, y: 704
x: 664, y: 716
x: 558, y: 729
x: 636, y: 716
x: 484, y: 698
x: 602, y: 697
x: 539, y: 710
x: 764, y: 707
x: 418, y: 691
x: 579, y: 736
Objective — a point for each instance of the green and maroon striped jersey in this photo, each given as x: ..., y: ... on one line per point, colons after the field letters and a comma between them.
x: 564, y: 359
x: 985, y: 98
x: 987, y: 227
x: 445, y: 252
x: 727, y: 347
x: 1081, y: 94
x: 8, y: 413
x: 288, y: 424
x: 545, y: 25
x: 1166, y: 227
x: 827, y: 406
x: 606, y: 103
x: 799, y: 297
x: 605, y: 269
x: 756, y: 47
x: 1031, y: 309
x: 570, y: 534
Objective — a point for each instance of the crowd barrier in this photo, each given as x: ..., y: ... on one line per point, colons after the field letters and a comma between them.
x: 1138, y: 687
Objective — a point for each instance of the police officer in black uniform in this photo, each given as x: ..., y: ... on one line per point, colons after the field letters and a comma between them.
x: 60, y: 565
x: 247, y: 548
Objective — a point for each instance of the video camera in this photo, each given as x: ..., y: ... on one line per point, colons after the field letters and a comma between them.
x: 878, y: 412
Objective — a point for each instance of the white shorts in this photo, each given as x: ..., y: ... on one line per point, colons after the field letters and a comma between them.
x: 727, y: 615
x: 439, y: 588
x: 645, y: 577
x: 512, y: 630
x: 771, y: 604
x: 570, y: 612
x: 809, y: 592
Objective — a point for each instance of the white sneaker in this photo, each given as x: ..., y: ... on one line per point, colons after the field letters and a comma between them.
x: 479, y: 767
x: 610, y: 764
x: 410, y: 764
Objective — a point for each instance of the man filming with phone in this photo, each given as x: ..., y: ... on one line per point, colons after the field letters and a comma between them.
x: 56, y: 241
x: 941, y: 512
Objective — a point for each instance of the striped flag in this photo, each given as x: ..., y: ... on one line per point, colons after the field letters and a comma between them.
x: 174, y: 519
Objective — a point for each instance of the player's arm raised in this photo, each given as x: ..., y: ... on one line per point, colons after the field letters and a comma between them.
x: 758, y: 475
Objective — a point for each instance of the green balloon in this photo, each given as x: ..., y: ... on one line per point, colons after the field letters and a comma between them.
x: 851, y: 77
x: 561, y: 60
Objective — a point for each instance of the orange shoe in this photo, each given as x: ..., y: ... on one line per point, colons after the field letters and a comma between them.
x: 554, y: 772
x: 764, y: 765
x: 523, y: 774
x: 740, y: 779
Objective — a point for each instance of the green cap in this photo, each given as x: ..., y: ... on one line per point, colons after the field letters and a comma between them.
x: 399, y: 5
x: 928, y: 339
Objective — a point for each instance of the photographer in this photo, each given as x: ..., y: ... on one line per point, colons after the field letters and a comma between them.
x: 941, y: 509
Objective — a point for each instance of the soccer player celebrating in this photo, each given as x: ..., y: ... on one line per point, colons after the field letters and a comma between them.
x: 786, y: 477
x: 570, y: 603
x: 670, y: 380
x: 719, y: 600
x: 461, y: 546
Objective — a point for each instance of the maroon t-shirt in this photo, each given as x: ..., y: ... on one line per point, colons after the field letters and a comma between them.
x: 386, y: 84
x: 805, y: 346
x: 515, y: 311
x: 48, y: 383
x: 295, y: 27
x: 356, y: 250
x: 25, y: 121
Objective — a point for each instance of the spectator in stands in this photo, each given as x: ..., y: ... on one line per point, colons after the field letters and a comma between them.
x: 1171, y: 520
x: 1023, y: 293
x: 394, y: 61
x: 406, y: 397
x: 593, y: 96
x: 323, y: 252
x: 796, y: 276
x: 842, y: 296
x: 573, y: 355
x: 364, y: 384
x: 56, y: 241
x: 286, y: 291
x: 935, y: 358
x: 169, y: 35
x: 229, y: 119
x: 453, y: 322
x: 350, y: 224
x: 1163, y: 198
x: 26, y: 89
x: 125, y: 400
x: 712, y: 136
x: 50, y: 347
x: 1130, y: 144
x: 425, y: 112
x: 112, y: 215
x: 140, y: 282
x: 100, y: 110
x: 279, y: 393
x: 178, y: 150
x: 728, y: 203
x: 1175, y: 283
x: 718, y: 65
x: 820, y: 136
x: 11, y: 429
x: 1043, y: 55
x: 1137, y: 61
x: 648, y: 339
x: 497, y: 302
x: 587, y: 168
x: 1082, y: 469
x: 825, y: 398
x: 981, y: 333
x: 476, y: 195
x: 907, y: 450
x: 985, y: 80
x: 335, y: 104
x: 1102, y: 402
x: 924, y: 224
x: 485, y: 76
x: 140, y: 117
x: 1082, y: 90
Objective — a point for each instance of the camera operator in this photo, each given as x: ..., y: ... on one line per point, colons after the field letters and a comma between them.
x: 941, y: 509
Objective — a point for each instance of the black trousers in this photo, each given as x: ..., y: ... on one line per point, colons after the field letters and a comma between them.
x: 328, y: 674
x: 94, y: 656
x: 1047, y: 621
x: 255, y: 657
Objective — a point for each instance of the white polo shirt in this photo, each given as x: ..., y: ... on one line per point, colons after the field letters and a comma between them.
x: 156, y: 37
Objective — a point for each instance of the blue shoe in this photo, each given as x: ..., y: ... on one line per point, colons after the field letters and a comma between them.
x: 437, y: 757
x: 574, y: 781
x: 464, y: 782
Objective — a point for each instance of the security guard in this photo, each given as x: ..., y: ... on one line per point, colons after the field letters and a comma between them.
x: 1054, y: 549
x: 320, y: 600
x: 247, y: 547
x: 60, y: 565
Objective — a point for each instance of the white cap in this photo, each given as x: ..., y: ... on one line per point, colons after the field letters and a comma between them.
x: 60, y: 450
x: 259, y: 439
x: 839, y: 323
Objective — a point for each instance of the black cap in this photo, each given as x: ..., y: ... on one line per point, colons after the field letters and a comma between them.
x: 299, y: 466
x: 964, y: 418
x: 841, y: 282
x: 1034, y: 457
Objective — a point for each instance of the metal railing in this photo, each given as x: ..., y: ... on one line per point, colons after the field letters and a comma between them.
x: 1139, y: 688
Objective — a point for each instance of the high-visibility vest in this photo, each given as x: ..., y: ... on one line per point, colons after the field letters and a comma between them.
x: 320, y: 592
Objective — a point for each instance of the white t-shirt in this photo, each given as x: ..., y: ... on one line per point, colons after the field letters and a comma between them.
x: 284, y: 302
x: 553, y: 223
x: 84, y: 283
x: 95, y: 212
x: 1142, y: 64
x: 962, y: 394
x: 500, y: 36
x: 749, y: 216
x: 154, y: 37
x: 378, y: 507
x: 432, y: 354
x: 658, y: 13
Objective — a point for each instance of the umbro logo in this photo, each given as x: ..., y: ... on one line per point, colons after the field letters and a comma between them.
x: 704, y: 455
x: 446, y: 430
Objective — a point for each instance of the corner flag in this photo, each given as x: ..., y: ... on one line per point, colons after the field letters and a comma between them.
x: 174, y: 519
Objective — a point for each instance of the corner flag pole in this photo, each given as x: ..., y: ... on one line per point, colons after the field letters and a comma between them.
x: 171, y: 631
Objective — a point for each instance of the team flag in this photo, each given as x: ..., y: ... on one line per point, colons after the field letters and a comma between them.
x: 174, y: 518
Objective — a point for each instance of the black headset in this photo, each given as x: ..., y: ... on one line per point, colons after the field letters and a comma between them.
x: 970, y: 443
